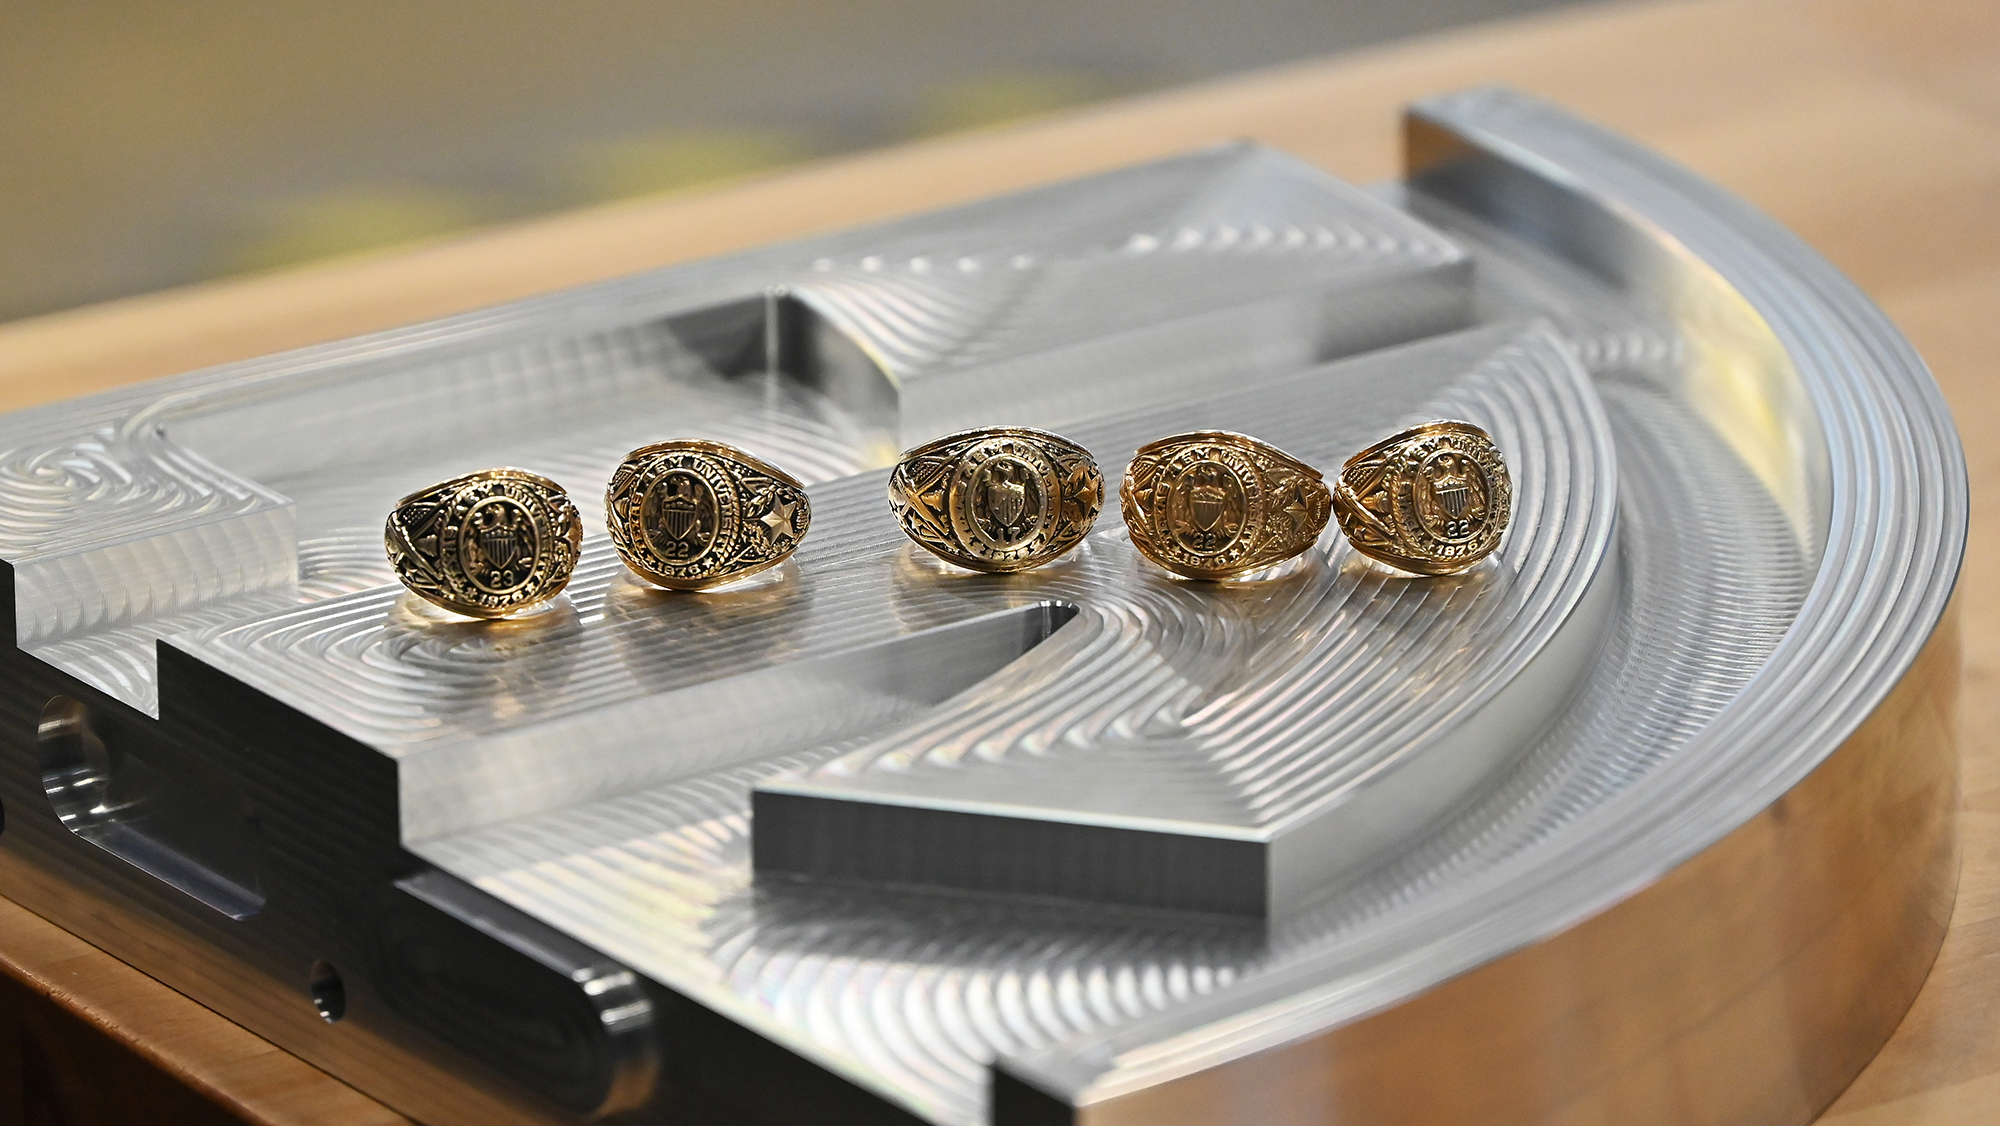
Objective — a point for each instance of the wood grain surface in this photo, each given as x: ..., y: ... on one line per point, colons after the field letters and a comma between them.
x: 1870, y: 127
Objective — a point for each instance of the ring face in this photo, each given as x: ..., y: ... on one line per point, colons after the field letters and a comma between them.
x: 1432, y: 499
x: 486, y: 544
x: 693, y: 514
x: 1213, y: 505
x: 998, y: 499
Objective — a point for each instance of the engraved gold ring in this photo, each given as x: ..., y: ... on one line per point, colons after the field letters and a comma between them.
x: 1214, y: 505
x: 487, y: 544
x: 1432, y: 499
x: 1003, y: 498
x: 692, y: 514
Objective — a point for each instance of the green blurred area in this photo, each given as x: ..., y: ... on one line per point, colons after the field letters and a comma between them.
x: 149, y: 145
x: 331, y: 224
x: 1002, y: 98
x: 655, y: 163
x: 358, y: 219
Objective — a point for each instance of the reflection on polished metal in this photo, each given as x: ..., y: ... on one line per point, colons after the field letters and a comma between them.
x: 1003, y: 498
x: 1432, y: 499
x: 1682, y: 744
x: 1214, y: 505
x: 487, y: 544
x: 690, y: 514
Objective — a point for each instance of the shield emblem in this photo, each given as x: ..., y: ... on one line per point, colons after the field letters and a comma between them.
x: 1006, y: 498
x: 678, y: 513
x: 1454, y: 497
x: 1207, y: 500
x: 501, y: 544
x: 1451, y: 496
x: 680, y: 516
x: 498, y: 545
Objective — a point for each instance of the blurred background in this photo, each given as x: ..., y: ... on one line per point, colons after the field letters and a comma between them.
x: 147, y: 144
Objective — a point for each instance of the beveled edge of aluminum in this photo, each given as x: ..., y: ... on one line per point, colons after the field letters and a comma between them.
x: 945, y: 500
x: 1432, y: 499
x: 728, y: 513
x: 1187, y: 528
x: 1853, y: 714
x: 424, y: 537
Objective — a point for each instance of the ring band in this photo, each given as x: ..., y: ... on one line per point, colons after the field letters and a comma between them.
x: 1431, y: 500
x: 487, y: 544
x: 692, y: 514
x: 1003, y: 498
x: 1214, y: 505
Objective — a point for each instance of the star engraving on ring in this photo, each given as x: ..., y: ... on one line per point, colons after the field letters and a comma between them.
x: 778, y: 521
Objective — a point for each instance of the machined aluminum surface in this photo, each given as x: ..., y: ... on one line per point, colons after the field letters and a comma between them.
x: 1086, y: 840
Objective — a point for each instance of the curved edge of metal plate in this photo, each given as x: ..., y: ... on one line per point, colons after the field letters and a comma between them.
x: 1741, y: 964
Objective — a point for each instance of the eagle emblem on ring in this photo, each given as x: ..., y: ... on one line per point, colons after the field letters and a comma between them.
x: 1453, y: 489
x: 680, y: 509
x: 1207, y: 498
x: 1006, y: 495
x: 504, y: 536
x: 1451, y: 495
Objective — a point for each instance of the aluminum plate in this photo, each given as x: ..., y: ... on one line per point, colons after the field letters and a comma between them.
x: 1084, y: 843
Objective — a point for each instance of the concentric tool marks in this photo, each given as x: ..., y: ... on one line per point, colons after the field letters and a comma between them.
x: 693, y: 514
x: 1212, y: 504
x: 997, y: 499
x: 486, y: 544
x: 1432, y: 499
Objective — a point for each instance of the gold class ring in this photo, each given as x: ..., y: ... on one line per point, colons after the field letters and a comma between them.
x: 1432, y: 499
x: 691, y: 514
x: 1004, y: 498
x: 487, y: 544
x: 1214, y: 505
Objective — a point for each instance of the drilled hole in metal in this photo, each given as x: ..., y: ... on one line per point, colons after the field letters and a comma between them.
x: 329, y: 995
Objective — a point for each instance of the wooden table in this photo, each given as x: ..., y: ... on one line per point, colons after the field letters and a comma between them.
x: 1870, y: 127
